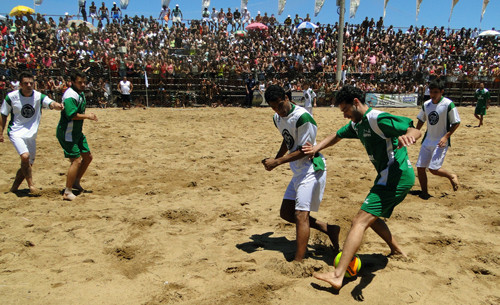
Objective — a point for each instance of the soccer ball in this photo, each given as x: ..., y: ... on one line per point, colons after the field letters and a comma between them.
x: 354, y: 265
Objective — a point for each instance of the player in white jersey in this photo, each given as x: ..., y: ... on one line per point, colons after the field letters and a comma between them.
x: 309, y: 98
x: 305, y: 191
x: 24, y: 107
x: 442, y: 120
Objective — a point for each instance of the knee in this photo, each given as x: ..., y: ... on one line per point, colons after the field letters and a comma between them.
x: 25, y: 158
x: 77, y: 161
x: 301, y: 216
x: 433, y: 171
x: 87, y: 157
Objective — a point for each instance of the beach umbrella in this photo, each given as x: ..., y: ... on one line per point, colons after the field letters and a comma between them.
x: 240, y: 33
x: 21, y: 10
x: 489, y: 33
x: 3, y: 18
x: 306, y: 25
x: 256, y: 26
x: 77, y: 24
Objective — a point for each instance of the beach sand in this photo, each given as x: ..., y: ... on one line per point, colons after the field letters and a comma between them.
x: 183, y: 212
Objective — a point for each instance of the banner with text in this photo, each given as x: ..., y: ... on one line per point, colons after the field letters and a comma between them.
x: 391, y: 100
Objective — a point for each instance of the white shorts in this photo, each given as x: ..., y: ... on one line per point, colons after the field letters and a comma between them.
x: 176, y: 19
x: 431, y: 156
x: 25, y: 145
x: 307, y: 191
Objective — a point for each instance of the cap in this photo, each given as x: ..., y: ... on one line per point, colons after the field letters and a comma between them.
x: 177, y: 5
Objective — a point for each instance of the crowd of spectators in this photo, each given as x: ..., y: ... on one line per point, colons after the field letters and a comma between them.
x: 377, y: 58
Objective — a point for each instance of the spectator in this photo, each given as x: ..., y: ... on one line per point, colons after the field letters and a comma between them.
x: 93, y: 12
x: 116, y: 13
x: 104, y: 13
x: 177, y: 16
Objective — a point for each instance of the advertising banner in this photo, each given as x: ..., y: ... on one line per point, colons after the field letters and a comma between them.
x: 391, y: 100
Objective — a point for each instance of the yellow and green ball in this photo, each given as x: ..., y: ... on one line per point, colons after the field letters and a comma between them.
x: 354, y: 265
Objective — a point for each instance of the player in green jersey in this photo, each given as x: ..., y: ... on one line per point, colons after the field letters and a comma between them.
x: 482, y: 97
x: 70, y: 135
x: 385, y: 138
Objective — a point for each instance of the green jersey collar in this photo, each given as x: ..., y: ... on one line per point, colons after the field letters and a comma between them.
x: 291, y: 110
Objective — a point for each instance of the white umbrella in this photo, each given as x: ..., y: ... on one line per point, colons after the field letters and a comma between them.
x: 3, y: 18
x: 306, y: 25
x: 77, y: 23
x: 489, y: 33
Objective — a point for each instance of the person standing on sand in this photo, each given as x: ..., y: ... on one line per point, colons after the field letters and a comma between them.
x: 443, y: 119
x: 305, y: 191
x: 385, y: 138
x: 482, y: 97
x: 24, y: 107
x: 70, y: 135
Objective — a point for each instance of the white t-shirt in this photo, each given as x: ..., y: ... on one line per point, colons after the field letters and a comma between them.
x: 125, y: 87
x: 309, y: 95
x: 25, y: 113
x: 297, y: 129
x: 439, y: 118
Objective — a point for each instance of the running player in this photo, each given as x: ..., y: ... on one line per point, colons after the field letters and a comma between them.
x: 385, y: 138
x: 443, y: 119
x: 305, y: 191
x: 70, y: 135
x: 24, y: 107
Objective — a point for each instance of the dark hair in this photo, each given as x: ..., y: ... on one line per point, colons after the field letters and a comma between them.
x: 347, y: 95
x: 77, y: 73
x: 436, y: 84
x: 274, y: 93
x: 25, y: 74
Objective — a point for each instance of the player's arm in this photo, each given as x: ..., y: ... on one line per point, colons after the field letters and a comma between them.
x: 312, y: 150
x: 131, y: 87
x: 271, y: 163
x: 119, y: 88
x: 446, y: 137
x: 2, y: 126
x: 420, y: 124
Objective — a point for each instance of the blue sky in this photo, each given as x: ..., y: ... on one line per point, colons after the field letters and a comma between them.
x: 400, y: 13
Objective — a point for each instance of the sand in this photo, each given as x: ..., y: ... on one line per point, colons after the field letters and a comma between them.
x: 183, y: 212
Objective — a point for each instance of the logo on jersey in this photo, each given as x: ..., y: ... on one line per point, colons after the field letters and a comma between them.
x: 433, y: 118
x: 27, y: 111
x: 288, y: 139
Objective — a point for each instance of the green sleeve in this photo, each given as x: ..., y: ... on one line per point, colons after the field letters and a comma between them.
x: 70, y: 107
x: 347, y: 132
x: 305, y: 118
x: 393, y: 125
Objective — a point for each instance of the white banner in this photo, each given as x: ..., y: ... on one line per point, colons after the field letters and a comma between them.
x: 205, y: 4
x: 317, y: 7
x: 244, y: 4
x: 353, y: 8
x: 124, y: 4
x: 165, y: 3
x: 391, y: 100
x: 385, y: 5
x: 281, y: 6
x: 418, y: 8
x: 454, y: 2
x: 485, y: 4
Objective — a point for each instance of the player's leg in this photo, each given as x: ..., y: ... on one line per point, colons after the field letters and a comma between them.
x: 480, y: 120
x: 303, y: 231
x: 435, y: 166
x: 86, y: 160
x: 26, y: 171
x: 424, y: 159
x: 71, y: 178
x: 360, y: 223
x: 381, y: 228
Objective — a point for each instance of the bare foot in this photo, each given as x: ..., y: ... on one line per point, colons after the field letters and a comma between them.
x: 424, y: 196
x: 397, y: 252
x: 69, y: 196
x: 13, y: 190
x: 330, y: 278
x: 333, y: 232
x: 454, y: 182
x: 34, y: 191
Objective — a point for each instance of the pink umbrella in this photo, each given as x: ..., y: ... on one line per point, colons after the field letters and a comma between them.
x: 256, y: 26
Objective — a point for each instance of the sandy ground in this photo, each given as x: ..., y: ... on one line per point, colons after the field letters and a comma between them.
x: 183, y: 212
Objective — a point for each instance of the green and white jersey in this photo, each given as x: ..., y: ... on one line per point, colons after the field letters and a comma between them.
x: 309, y: 96
x: 68, y: 129
x: 482, y: 96
x: 439, y: 118
x: 379, y: 132
x: 298, y: 128
x: 25, y: 113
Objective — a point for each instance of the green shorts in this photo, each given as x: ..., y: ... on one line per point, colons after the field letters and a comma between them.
x: 74, y: 149
x: 382, y: 200
x: 480, y: 111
